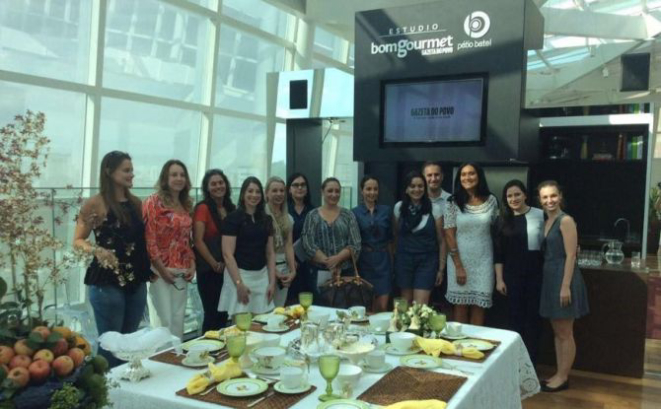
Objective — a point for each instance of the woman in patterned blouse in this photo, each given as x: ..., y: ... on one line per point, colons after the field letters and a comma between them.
x: 168, y: 231
x: 330, y: 234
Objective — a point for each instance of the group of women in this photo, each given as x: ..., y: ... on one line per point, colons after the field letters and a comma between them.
x: 274, y: 243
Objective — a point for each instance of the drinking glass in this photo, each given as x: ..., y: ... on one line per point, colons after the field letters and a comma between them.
x: 636, y: 260
x: 243, y: 320
x: 305, y: 299
x: 236, y: 345
x: 401, y: 304
x: 329, y: 366
x: 437, y: 323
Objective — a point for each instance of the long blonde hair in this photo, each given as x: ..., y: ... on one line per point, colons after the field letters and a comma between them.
x: 164, y: 190
x: 281, y: 223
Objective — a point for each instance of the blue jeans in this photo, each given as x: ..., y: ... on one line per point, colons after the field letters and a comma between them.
x: 116, y: 309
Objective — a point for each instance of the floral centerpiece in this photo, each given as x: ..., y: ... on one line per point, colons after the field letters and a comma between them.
x: 415, y: 319
x: 42, y: 364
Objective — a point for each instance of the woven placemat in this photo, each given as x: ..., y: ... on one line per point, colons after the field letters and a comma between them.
x: 170, y: 357
x: 277, y: 401
x: 403, y: 383
x: 484, y: 358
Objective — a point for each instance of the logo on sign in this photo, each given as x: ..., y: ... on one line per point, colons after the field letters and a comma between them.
x: 477, y: 24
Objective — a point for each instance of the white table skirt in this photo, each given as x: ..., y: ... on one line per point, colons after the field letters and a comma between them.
x: 502, y: 381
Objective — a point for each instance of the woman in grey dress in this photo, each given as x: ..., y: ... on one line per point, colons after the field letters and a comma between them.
x: 470, y: 213
x: 563, y: 297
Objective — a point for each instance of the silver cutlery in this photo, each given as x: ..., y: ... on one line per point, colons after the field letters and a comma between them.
x: 263, y: 398
x: 208, y: 390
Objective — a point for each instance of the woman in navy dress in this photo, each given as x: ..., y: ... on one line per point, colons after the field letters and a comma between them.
x: 564, y: 296
x: 375, y: 224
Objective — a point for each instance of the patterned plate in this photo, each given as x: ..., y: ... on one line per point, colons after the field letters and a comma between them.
x: 479, y: 344
x: 197, y: 364
x: 276, y: 329
x: 421, y: 361
x: 210, y: 345
x: 280, y: 387
x: 344, y: 404
x: 241, y: 387
x: 391, y: 350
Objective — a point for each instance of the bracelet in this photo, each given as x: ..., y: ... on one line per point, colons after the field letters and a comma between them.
x: 453, y: 251
x: 238, y: 282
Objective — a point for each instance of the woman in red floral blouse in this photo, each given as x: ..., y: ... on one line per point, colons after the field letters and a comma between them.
x: 168, y: 232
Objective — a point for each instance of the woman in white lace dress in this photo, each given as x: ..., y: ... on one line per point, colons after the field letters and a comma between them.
x: 470, y: 213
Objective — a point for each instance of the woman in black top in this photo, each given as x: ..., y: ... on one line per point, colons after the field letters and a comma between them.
x: 299, y: 205
x: 120, y: 269
x: 249, y: 282
x: 518, y: 262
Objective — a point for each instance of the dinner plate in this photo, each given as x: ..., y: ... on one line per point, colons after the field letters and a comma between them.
x: 197, y: 364
x: 344, y: 404
x: 280, y: 387
x: 283, y: 328
x: 479, y: 344
x: 421, y: 361
x: 263, y: 318
x: 210, y: 345
x: 241, y: 387
x: 391, y: 350
x: 386, y: 367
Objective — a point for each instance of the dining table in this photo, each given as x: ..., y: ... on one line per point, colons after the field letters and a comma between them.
x: 502, y: 380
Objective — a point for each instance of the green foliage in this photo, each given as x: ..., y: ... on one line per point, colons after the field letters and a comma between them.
x: 66, y: 398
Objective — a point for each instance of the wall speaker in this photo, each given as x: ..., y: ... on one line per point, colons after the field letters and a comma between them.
x: 635, y: 72
x: 298, y: 94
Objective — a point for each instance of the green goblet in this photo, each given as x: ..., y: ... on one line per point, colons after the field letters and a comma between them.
x: 305, y: 299
x: 401, y: 305
x: 243, y: 320
x: 236, y: 345
x: 437, y: 323
x: 329, y: 366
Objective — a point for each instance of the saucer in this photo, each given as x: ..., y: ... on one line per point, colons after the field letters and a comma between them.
x: 197, y: 364
x: 275, y: 329
x: 260, y: 370
x: 460, y: 336
x: 383, y: 369
x: 280, y: 387
x: 391, y: 350
x: 421, y: 361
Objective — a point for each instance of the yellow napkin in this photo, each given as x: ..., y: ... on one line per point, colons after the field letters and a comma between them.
x: 216, y: 373
x: 418, y: 404
x: 212, y: 334
x: 471, y: 353
x: 197, y: 384
x: 435, y: 347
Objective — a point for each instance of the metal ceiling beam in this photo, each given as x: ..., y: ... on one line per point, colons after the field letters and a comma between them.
x: 590, y: 24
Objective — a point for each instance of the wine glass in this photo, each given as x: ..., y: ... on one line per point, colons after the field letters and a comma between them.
x: 305, y: 299
x: 236, y: 345
x: 329, y: 366
x: 243, y: 320
x: 437, y: 323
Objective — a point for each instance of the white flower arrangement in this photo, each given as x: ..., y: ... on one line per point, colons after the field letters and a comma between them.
x: 415, y: 319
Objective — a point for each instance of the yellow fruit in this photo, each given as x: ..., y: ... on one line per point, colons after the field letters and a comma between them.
x: 279, y: 310
x: 212, y: 334
x: 80, y: 342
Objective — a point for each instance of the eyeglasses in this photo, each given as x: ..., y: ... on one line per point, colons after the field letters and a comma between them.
x: 299, y: 185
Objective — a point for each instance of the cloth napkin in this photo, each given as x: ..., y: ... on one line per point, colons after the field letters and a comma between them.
x: 418, y: 404
x: 216, y: 373
x: 470, y: 352
x: 435, y: 347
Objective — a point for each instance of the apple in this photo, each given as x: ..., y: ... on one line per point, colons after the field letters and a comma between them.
x: 61, y: 347
x: 20, y: 360
x: 21, y: 348
x: 44, y: 354
x: 42, y: 330
x: 20, y: 376
x: 6, y: 354
x: 63, y: 365
x: 77, y: 355
x: 39, y: 371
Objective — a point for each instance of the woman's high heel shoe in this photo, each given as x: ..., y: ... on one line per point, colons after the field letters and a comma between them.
x: 563, y: 386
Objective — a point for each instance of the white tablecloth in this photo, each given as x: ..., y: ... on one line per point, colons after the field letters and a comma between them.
x: 502, y: 381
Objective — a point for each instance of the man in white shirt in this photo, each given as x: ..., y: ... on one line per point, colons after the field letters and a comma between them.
x: 434, y: 175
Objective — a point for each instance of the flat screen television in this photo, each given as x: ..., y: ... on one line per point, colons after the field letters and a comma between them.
x: 442, y: 110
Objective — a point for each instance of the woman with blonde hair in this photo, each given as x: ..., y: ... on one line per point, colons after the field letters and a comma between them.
x: 168, y: 230
x: 285, y: 266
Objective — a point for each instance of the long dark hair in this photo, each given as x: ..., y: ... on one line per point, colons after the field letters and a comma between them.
x: 460, y: 196
x: 164, y: 190
x: 110, y: 162
x: 290, y: 200
x: 366, y: 179
x: 260, y: 211
x: 210, y: 202
x: 506, y: 214
x: 409, y: 221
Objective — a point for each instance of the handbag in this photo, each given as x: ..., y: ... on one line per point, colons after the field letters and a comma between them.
x: 347, y: 291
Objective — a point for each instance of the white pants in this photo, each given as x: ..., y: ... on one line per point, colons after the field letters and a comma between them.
x: 167, y: 304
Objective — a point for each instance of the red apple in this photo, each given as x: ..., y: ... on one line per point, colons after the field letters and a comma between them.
x: 61, y: 347
x: 43, y: 331
x: 77, y: 355
x: 44, y: 354
x: 39, y: 371
x: 6, y: 354
x: 20, y: 360
x: 20, y: 376
x: 21, y: 348
x: 63, y: 365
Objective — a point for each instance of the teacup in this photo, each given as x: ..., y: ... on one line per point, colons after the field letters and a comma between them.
x: 270, y: 340
x: 270, y: 357
x: 402, y: 341
x: 319, y: 317
x: 292, y: 377
x: 375, y: 359
x: 348, y: 375
x: 275, y: 321
x: 197, y: 355
x: 453, y: 329
x: 357, y: 312
x: 380, y: 322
